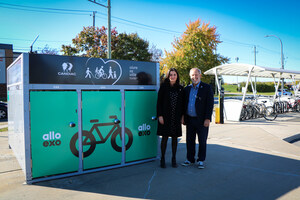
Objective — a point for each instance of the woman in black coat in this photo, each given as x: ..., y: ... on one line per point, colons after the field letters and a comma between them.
x: 170, y: 113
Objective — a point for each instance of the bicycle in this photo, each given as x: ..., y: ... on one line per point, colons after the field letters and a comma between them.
x: 100, y: 75
x: 268, y: 111
x: 252, y: 110
x: 294, y: 104
x: 88, y: 139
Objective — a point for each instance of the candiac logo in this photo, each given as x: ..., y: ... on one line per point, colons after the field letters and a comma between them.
x: 66, y: 69
x: 144, y: 130
x: 51, y: 139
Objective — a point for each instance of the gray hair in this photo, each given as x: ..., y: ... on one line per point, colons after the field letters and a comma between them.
x: 195, y: 68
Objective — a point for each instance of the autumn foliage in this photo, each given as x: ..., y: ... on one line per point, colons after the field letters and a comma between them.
x: 92, y: 42
x: 195, y: 48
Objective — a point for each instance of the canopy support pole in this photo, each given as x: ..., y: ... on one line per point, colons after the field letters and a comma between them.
x: 217, y: 80
x: 276, y: 87
x: 246, y: 87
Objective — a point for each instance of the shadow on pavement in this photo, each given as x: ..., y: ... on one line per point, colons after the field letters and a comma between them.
x: 230, y: 173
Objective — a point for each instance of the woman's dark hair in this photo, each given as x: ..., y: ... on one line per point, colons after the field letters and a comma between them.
x: 166, y: 80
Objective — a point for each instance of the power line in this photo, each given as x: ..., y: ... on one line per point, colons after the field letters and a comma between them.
x: 123, y: 21
x: 269, y: 50
x: 67, y: 11
x: 162, y: 29
x: 143, y: 27
x: 25, y: 9
x: 42, y: 8
x: 30, y: 40
x: 238, y: 43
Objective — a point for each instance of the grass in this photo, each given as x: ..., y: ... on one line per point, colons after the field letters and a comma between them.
x: 233, y: 89
x: 4, y: 129
x: 230, y: 88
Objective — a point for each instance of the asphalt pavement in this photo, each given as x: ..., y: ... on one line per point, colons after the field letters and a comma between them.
x: 254, y: 159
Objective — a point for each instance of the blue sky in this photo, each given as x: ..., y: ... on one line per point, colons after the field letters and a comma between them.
x: 241, y: 25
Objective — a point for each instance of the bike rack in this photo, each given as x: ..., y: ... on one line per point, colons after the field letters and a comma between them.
x: 233, y: 107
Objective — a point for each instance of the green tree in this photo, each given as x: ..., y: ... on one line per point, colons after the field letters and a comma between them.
x: 92, y: 42
x: 195, y: 48
x: 131, y: 47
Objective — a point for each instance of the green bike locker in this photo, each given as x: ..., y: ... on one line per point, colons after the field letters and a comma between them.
x: 98, y: 107
x: 50, y: 117
x: 139, y: 110
x: 71, y: 115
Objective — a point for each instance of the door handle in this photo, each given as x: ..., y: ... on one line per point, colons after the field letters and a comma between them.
x: 116, y: 121
x: 72, y: 124
x: 154, y: 118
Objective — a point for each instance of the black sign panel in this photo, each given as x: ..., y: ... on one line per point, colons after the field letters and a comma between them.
x: 54, y: 69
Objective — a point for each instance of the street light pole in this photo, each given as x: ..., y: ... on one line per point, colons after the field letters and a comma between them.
x: 282, y: 59
x: 31, y: 46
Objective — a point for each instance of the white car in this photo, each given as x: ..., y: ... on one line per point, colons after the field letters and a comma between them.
x: 285, y: 92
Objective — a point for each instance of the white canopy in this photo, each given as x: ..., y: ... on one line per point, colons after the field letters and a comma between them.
x: 240, y: 69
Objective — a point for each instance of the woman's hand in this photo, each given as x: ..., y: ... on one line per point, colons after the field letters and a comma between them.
x: 182, y: 120
x: 206, y: 123
x: 161, y: 120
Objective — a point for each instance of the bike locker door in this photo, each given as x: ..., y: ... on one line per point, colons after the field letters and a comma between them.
x: 140, y: 107
x: 100, y: 134
x: 53, y: 121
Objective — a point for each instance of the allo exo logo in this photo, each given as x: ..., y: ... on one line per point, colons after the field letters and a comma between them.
x: 144, y: 130
x: 51, y: 139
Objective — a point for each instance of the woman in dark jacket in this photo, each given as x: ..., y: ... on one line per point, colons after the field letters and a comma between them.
x: 170, y: 112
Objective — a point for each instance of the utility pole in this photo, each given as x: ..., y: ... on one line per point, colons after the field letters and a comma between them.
x: 255, y: 55
x: 94, y: 13
x: 109, y: 29
x: 108, y: 25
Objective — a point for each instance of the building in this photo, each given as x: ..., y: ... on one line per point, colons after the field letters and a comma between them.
x: 7, y: 56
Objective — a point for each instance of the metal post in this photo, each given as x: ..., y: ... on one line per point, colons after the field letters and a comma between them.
x: 255, y: 65
x: 33, y: 43
x: 108, y: 26
x: 94, y: 12
x: 109, y: 30
x: 282, y: 59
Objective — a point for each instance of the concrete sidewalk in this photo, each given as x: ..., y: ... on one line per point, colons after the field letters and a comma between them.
x: 245, y: 160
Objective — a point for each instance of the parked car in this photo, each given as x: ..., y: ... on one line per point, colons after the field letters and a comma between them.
x: 285, y: 92
x: 3, y: 110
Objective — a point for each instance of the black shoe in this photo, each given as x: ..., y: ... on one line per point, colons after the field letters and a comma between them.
x: 162, y: 163
x: 174, y: 164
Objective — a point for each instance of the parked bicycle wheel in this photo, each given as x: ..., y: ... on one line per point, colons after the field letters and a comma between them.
x: 297, y: 107
x: 270, y: 113
x: 118, y: 136
x: 88, y: 144
x: 255, y: 112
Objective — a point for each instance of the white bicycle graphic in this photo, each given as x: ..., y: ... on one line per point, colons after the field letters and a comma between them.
x: 101, y: 75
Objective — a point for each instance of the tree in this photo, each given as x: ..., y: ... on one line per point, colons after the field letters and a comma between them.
x: 195, y: 48
x: 92, y: 42
x: 156, y: 54
x: 48, y: 50
x: 131, y: 47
